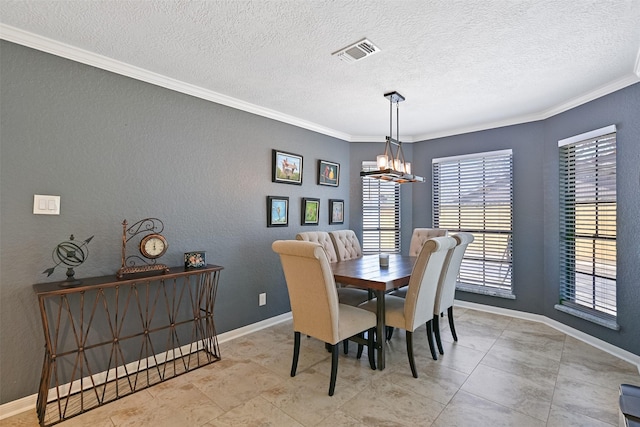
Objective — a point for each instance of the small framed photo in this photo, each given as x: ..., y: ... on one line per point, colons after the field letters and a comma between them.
x: 277, y: 211
x: 194, y: 259
x: 310, y: 211
x: 336, y: 211
x: 328, y: 173
x: 287, y: 168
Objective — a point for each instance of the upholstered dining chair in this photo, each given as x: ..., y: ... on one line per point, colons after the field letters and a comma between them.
x: 421, y: 235
x: 417, y: 308
x: 314, y: 303
x: 347, y: 244
x: 447, y: 286
x: 418, y: 237
x: 350, y: 296
x: 346, y: 295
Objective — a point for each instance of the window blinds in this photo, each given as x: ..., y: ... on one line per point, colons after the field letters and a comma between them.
x: 380, y: 214
x: 588, y: 223
x: 474, y: 194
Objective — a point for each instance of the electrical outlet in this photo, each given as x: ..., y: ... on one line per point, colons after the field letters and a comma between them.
x: 262, y: 300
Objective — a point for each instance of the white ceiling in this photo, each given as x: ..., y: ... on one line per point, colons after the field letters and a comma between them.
x: 462, y: 65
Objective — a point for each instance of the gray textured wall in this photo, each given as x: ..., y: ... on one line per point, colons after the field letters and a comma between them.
x: 535, y: 227
x: 115, y: 148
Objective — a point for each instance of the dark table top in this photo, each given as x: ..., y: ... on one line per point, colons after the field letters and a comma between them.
x: 366, y: 272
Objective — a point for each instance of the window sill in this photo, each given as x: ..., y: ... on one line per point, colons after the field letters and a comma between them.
x: 492, y: 292
x: 582, y: 314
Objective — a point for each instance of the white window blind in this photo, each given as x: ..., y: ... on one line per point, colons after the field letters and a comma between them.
x: 588, y: 223
x: 474, y: 194
x: 380, y: 214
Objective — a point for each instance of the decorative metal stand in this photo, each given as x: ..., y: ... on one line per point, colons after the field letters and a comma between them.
x: 135, y: 263
x: 109, y: 338
x: 72, y: 255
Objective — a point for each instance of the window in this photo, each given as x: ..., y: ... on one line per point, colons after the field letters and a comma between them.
x: 588, y: 223
x: 474, y: 193
x: 380, y: 214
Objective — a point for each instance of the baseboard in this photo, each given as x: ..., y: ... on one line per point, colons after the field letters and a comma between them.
x: 254, y: 327
x: 594, y: 342
x: 18, y: 406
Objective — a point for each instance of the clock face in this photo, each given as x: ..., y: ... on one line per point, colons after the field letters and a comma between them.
x: 153, y: 246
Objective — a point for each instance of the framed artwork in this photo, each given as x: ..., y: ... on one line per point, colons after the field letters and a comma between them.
x: 194, y: 259
x: 277, y: 211
x: 287, y: 168
x: 336, y: 211
x: 328, y: 173
x: 310, y: 211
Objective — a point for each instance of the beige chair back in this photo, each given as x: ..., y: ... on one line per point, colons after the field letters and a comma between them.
x: 323, y: 238
x: 421, y: 235
x: 312, y: 289
x: 346, y: 244
x: 423, y: 284
x: 447, y: 286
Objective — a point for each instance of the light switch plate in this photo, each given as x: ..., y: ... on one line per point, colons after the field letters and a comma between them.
x: 46, y: 205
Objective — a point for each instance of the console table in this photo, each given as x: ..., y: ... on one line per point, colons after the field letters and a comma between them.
x: 107, y: 338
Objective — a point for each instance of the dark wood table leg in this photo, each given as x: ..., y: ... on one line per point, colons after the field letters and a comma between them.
x: 380, y: 333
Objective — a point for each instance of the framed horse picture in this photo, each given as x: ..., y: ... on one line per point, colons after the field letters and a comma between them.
x: 286, y: 168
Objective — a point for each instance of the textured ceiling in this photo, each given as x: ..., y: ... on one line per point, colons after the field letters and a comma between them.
x: 462, y: 65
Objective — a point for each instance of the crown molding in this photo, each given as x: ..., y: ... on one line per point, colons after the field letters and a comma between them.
x: 616, y: 85
x: 63, y: 50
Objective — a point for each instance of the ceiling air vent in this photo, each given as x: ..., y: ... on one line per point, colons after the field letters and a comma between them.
x: 357, y: 51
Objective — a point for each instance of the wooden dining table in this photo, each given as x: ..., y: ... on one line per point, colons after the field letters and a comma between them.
x: 366, y: 273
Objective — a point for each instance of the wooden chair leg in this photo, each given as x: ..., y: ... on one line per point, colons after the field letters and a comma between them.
x: 412, y: 362
x: 451, y: 325
x: 296, y: 353
x: 360, y: 346
x: 430, y: 339
x: 345, y: 343
x: 389, y: 332
x: 334, y: 368
x: 371, y: 348
x: 436, y: 332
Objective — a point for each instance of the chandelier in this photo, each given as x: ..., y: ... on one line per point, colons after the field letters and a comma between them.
x: 392, y: 165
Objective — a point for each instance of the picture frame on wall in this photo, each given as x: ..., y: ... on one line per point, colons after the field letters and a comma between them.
x: 336, y: 211
x: 277, y: 211
x: 328, y: 173
x: 310, y: 212
x: 286, y: 167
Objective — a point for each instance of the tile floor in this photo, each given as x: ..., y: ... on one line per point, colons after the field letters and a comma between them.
x: 503, y: 371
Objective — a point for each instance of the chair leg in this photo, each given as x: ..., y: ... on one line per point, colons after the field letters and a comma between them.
x: 430, y: 339
x: 360, y: 347
x: 345, y: 343
x: 371, y: 348
x: 451, y: 325
x: 436, y: 332
x: 389, y: 332
x: 296, y: 353
x: 334, y: 368
x: 412, y: 362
